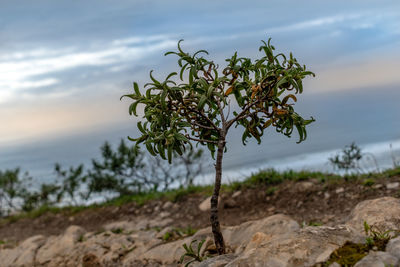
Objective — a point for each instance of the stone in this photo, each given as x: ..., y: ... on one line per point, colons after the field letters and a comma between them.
x: 339, y: 190
x: 218, y: 261
x: 164, y: 214
x: 377, y: 259
x: 236, y: 194
x: 377, y: 186
x: 59, y: 245
x: 167, y: 205
x: 230, y: 203
x: 383, y: 213
x: 237, y: 237
x: 327, y: 195
x: 303, y: 186
x: 24, y: 254
x: 123, y: 225
x: 393, y: 247
x: 90, y: 260
x: 393, y: 185
x: 306, y: 247
x: 205, y: 205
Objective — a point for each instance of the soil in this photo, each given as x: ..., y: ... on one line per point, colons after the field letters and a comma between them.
x: 308, y: 202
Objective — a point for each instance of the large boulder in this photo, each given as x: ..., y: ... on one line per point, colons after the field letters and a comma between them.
x: 57, y: 246
x: 378, y: 259
x: 383, y: 213
x: 24, y: 254
x: 236, y: 237
x: 306, y: 247
x: 279, y: 225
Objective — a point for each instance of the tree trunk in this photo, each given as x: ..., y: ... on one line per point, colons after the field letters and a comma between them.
x: 218, y: 238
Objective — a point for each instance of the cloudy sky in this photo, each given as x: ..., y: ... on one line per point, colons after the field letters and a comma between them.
x: 64, y: 64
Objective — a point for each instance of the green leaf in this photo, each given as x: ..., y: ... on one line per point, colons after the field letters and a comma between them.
x: 202, y: 102
x: 180, y: 137
x: 140, y: 127
x: 170, y: 75
x: 163, y: 96
x: 169, y: 154
x: 150, y: 149
x: 210, y: 91
x: 132, y: 108
x: 136, y: 87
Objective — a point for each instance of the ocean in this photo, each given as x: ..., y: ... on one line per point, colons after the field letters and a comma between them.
x: 368, y: 117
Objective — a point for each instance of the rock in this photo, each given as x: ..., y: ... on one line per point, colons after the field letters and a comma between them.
x: 167, y: 205
x: 164, y: 214
x: 237, y: 237
x: 230, y: 203
x: 167, y: 253
x: 61, y: 245
x: 335, y: 264
x: 24, y: 254
x: 383, y: 213
x: 377, y: 259
x: 90, y: 260
x: 236, y: 194
x: 305, y: 247
x: 218, y: 261
x: 162, y: 232
x: 303, y: 186
x: 377, y: 186
x: 327, y: 195
x: 205, y: 205
x: 122, y: 225
x: 393, y: 247
x: 339, y: 190
x: 393, y: 185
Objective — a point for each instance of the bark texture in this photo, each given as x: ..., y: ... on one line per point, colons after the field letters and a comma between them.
x: 216, y: 229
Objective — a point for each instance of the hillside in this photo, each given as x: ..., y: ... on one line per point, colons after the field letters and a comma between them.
x: 307, y: 199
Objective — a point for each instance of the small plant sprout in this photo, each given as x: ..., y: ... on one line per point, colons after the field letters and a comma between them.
x: 191, y: 253
x: 202, y: 103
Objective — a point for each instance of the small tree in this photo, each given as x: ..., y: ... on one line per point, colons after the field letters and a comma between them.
x: 199, y: 107
x: 348, y: 159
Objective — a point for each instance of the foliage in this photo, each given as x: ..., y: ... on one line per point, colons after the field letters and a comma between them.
x: 378, y: 238
x: 124, y: 172
x: 191, y: 253
x: 350, y: 253
x: 348, y: 159
x: 71, y: 182
x: 11, y: 187
x: 130, y: 171
x: 176, y: 114
x: 178, y: 233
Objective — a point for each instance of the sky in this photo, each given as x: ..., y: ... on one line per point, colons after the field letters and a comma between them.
x: 65, y: 64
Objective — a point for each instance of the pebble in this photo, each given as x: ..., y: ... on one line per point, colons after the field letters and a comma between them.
x: 392, y: 185
x: 236, y: 194
x: 339, y: 190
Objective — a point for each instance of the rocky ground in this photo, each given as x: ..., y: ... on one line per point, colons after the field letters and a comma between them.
x: 293, y: 224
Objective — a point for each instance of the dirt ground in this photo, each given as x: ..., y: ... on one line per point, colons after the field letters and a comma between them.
x: 308, y: 202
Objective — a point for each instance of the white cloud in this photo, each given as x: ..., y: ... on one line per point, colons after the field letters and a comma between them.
x: 20, y: 70
x: 316, y: 23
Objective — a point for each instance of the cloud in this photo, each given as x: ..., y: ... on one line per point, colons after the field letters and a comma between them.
x: 33, y: 69
x: 373, y: 73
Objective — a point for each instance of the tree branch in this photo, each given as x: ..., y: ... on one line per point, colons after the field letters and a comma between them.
x: 241, y: 114
x: 205, y: 117
x: 202, y: 126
